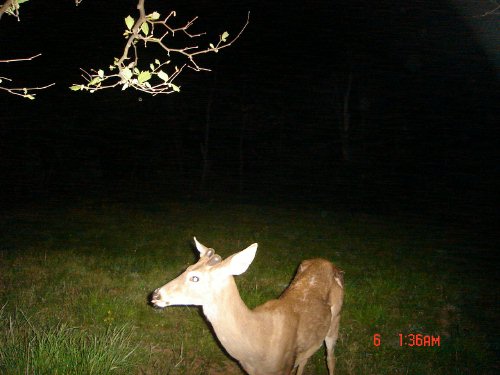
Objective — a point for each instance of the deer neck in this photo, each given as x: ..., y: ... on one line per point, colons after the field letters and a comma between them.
x: 233, y: 322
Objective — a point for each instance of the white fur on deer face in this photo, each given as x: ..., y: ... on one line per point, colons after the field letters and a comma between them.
x: 198, y: 285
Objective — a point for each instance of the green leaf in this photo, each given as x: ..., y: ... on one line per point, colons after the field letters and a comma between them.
x: 94, y: 81
x: 129, y: 21
x: 126, y: 73
x: 157, y: 62
x: 224, y: 36
x: 145, y: 28
x: 144, y: 76
x: 175, y: 88
x: 162, y: 75
x: 212, y: 46
x: 76, y: 87
x: 100, y: 73
x: 154, y: 16
x: 31, y: 97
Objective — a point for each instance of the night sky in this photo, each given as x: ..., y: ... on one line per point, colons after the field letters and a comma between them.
x: 423, y: 107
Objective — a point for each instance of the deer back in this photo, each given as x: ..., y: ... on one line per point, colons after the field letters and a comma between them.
x: 315, y: 295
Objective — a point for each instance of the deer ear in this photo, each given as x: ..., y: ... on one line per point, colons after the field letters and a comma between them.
x: 238, y: 263
x: 203, y: 250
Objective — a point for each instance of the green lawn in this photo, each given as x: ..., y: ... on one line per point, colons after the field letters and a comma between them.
x: 74, y: 286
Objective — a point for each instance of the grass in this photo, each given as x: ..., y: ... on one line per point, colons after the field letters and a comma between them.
x: 75, y: 283
x: 29, y: 347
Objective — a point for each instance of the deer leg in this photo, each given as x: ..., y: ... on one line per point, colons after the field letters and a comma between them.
x: 302, y: 364
x: 330, y: 341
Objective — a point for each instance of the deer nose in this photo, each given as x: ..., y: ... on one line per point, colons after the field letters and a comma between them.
x: 157, y: 299
x: 156, y: 295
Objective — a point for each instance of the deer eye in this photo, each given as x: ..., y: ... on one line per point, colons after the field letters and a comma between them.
x: 194, y: 279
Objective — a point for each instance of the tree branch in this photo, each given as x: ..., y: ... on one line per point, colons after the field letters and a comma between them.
x: 25, y: 92
x: 158, y: 77
x: 6, y: 6
x: 21, y: 59
x: 11, y: 7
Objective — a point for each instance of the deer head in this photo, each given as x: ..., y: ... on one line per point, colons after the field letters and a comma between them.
x: 200, y: 282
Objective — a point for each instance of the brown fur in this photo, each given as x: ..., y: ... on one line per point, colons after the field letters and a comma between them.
x: 277, y: 336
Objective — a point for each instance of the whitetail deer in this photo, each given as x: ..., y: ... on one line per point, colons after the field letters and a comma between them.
x: 275, y: 337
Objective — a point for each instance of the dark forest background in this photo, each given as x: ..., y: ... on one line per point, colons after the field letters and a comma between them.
x: 416, y: 82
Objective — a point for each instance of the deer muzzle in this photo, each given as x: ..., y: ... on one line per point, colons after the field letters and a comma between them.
x: 157, y: 300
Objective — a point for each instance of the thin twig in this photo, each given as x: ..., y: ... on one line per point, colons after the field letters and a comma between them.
x: 489, y: 12
x: 24, y: 91
x: 21, y: 59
